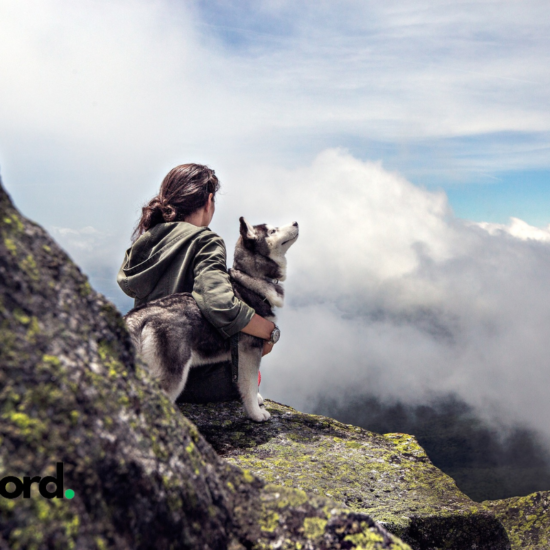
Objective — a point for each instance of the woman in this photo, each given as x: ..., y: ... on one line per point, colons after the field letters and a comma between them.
x: 175, y: 251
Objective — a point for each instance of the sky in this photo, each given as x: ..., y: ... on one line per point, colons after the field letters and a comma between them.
x: 411, y: 140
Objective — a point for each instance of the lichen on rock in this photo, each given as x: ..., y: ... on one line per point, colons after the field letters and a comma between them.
x: 389, y: 477
x: 72, y: 391
x: 526, y: 519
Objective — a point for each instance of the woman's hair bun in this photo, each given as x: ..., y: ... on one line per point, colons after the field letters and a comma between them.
x: 168, y: 212
x: 184, y: 190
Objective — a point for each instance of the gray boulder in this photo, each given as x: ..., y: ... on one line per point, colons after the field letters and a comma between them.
x: 526, y: 519
x: 389, y: 477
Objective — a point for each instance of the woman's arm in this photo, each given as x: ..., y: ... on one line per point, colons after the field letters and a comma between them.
x: 214, y: 294
x: 212, y: 287
x: 262, y: 328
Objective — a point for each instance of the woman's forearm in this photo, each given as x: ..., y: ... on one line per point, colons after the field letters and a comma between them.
x: 260, y: 327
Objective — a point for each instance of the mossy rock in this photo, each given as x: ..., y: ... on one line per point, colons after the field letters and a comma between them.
x: 526, y: 519
x: 389, y: 477
x: 71, y: 391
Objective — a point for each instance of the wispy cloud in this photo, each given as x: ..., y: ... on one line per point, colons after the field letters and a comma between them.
x: 85, y: 239
x: 517, y: 228
x: 121, y: 91
x: 408, y: 70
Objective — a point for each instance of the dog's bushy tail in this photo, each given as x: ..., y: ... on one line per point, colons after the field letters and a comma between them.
x: 135, y: 329
x: 145, y: 341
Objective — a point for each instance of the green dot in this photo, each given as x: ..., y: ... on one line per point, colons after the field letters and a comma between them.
x: 69, y: 493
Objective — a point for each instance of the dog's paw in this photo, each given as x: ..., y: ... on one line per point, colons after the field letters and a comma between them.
x: 259, y: 415
x: 260, y: 400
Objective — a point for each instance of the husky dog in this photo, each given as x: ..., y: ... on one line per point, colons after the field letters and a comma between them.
x: 173, y: 336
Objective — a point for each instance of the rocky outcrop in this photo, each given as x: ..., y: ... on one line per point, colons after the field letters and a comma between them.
x: 388, y: 477
x: 526, y: 519
x: 139, y: 473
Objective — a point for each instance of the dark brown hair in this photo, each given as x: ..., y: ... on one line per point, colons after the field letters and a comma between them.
x: 183, y: 191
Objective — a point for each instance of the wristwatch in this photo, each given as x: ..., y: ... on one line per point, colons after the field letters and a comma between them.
x: 275, y: 335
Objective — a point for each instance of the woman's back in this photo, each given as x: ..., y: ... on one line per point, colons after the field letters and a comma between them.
x: 181, y: 257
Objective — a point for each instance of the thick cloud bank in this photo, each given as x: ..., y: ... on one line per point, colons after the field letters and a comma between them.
x: 389, y: 294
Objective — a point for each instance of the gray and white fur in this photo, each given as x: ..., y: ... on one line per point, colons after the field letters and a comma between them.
x: 173, y: 336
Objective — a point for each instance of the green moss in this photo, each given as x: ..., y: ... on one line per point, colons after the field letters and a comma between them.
x: 314, y: 527
x: 29, y: 428
x: 193, y: 432
x: 85, y: 289
x: 286, y: 496
x: 269, y: 522
x: 389, y: 477
x: 247, y: 476
x: 6, y: 506
x: 365, y: 540
x: 53, y: 515
x: 28, y: 265
x: 11, y: 246
x: 13, y: 223
x: 110, y: 358
x: 51, y: 361
x: 21, y: 317
x: 526, y: 519
x: 7, y: 340
x: 33, y: 330
x: 123, y: 400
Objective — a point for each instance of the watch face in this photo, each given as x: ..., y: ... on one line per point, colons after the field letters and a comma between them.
x: 275, y: 335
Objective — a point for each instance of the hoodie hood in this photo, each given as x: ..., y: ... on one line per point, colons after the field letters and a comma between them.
x: 150, y: 257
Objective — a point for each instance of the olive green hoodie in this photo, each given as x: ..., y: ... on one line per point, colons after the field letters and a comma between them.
x: 181, y: 257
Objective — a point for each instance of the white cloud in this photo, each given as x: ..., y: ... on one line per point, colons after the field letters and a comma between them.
x: 83, y: 239
x: 517, y: 228
x: 121, y: 91
x: 388, y: 293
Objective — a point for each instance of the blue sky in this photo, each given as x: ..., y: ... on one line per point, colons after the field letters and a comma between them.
x: 489, y: 174
x: 523, y: 194
x: 411, y: 140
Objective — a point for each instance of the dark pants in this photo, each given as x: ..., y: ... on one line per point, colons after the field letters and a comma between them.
x: 209, y: 384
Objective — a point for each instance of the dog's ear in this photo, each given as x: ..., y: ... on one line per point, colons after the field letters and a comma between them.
x: 248, y: 233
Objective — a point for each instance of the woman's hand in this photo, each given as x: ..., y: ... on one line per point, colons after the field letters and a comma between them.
x: 268, y: 346
x: 259, y: 327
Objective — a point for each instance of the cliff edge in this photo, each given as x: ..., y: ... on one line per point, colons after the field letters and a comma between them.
x: 389, y: 477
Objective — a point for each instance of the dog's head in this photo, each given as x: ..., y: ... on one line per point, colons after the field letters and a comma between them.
x: 267, y: 240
